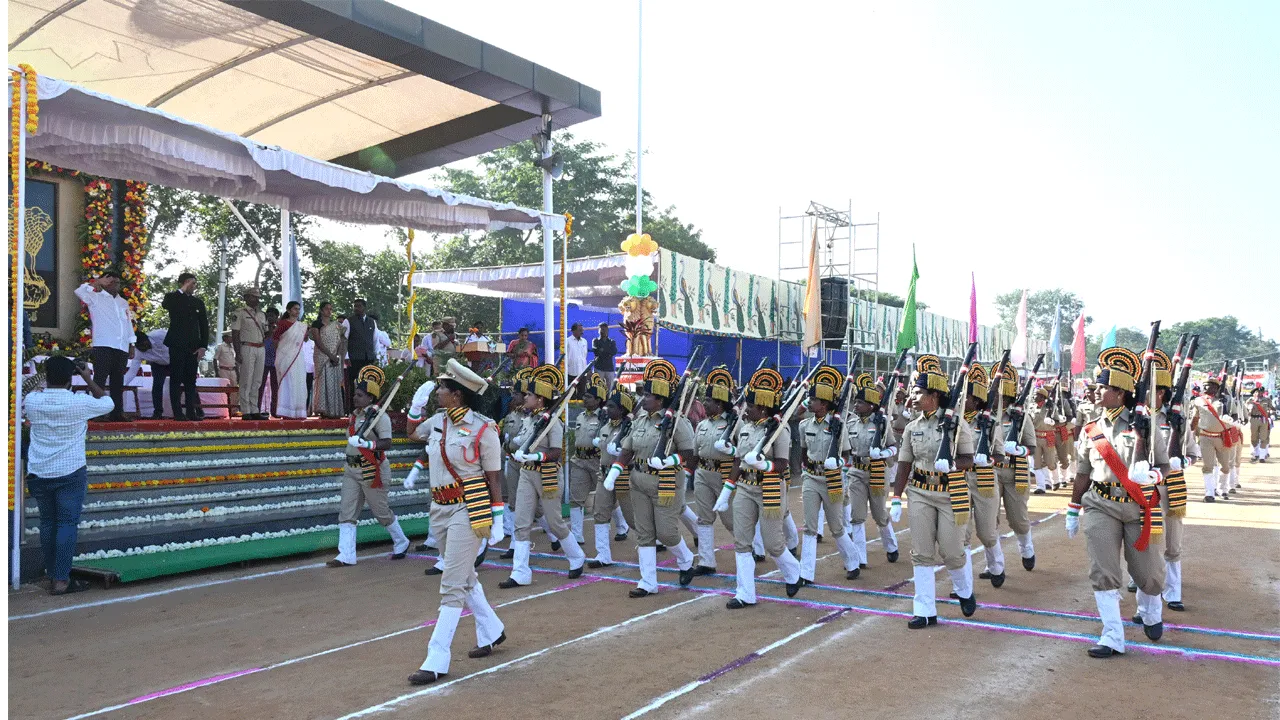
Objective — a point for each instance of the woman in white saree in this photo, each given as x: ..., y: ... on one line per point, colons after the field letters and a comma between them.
x: 290, y: 334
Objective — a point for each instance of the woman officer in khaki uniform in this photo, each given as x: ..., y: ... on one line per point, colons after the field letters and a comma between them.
x: 657, y: 481
x: 865, y: 488
x: 612, y: 501
x: 584, y: 466
x: 465, y: 463
x: 822, y: 482
x: 713, y: 464
x: 1010, y: 451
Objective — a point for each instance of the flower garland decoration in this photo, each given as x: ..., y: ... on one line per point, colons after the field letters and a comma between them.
x: 133, y: 238
x: 96, y: 256
x: 15, y: 136
x: 193, y: 449
x: 226, y: 462
x: 210, y: 435
x: 238, y: 477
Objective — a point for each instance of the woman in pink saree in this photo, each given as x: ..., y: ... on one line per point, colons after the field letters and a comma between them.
x: 290, y: 334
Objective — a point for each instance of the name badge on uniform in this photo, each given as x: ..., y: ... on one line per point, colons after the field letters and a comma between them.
x: 917, y: 433
x: 853, y: 433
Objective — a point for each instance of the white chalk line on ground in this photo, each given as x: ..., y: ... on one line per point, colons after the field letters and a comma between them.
x: 897, y: 533
x: 435, y: 688
x: 302, y: 658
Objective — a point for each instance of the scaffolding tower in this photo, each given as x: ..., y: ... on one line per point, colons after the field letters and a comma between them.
x: 846, y: 250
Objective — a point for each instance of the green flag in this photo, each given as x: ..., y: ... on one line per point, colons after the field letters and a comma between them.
x: 907, y: 333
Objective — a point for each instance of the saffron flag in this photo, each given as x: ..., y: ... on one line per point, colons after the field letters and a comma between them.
x: 907, y: 330
x: 1018, y: 353
x: 1077, y: 346
x: 973, y: 309
x: 813, y: 298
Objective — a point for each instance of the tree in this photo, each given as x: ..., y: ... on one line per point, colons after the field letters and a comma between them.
x: 889, y: 299
x: 1221, y: 338
x: 1040, y: 307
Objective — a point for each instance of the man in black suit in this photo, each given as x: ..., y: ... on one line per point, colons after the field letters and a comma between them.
x: 187, y: 340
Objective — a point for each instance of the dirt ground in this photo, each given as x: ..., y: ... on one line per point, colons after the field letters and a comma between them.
x: 296, y: 640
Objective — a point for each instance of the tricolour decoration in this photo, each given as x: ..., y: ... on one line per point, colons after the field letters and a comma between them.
x: 638, y: 307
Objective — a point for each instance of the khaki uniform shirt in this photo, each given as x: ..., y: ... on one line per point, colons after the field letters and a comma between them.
x: 225, y: 356
x: 901, y: 418
x: 750, y: 434
x: 1205, y: 420
x: 381, y: 431
x: 472, y: 446
x: 1085, y: 413
x: 585, y: 429
x: 512, y: 426
x: 861, y: 432
x: 1041, y: 418
x: 1260, y: 408
x: 642, y: 441
x: 251, y: 323
x: 606, y: 432
x: 923, y: 437
x: 709, y: 431
x: 1026, y: 438
x: 815, y: 440
x: 551, y: 441
x: 1119, y: 431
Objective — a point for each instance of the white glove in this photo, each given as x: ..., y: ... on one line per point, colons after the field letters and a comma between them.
x: 496, y: 533
x: 612, y: 478
x: 613, y: 450
x: 661, y: 463
x: 356, y: 441
x: 981, y: 461
x: 1049, y: 421
x: 755, y: 461
x: 1228, y: 419
x: 944, y: 466
x: 1011, y: 448
x: 412, y: 478
x: 725, y: 448
x: 421, y: 398
x: 1140, y: 472
x: 522, y: 457
x: 1175, y: 463
x: 722, y: 502
x: 895, y: 509
x: 830, y: 464
x: 1073, y: 519
x: 595, y: 442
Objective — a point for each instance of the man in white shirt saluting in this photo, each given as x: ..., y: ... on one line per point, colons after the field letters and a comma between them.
x: 56, y: 475
x: 113, y: 335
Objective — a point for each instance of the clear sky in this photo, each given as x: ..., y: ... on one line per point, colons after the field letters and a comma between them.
x: 1129, y: 152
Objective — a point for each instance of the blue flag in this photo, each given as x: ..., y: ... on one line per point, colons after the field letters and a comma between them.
x: 1110, y: 340
x: 1055, y: 342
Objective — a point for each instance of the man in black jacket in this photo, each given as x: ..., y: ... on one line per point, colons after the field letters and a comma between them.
x: 605, y: 349
x: 187, y: 340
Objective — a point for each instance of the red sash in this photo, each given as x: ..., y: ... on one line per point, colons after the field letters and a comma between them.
x: 1121, y: 471
x: 1230, y: 433
x: 370, y: 457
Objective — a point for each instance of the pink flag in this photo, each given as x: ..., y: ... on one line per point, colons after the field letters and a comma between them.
x: 973, y: 309
x: 1018, y: 353
x: 1077, y: 346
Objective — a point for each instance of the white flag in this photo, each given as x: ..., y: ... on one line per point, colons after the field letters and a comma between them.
x: 1018, y: 353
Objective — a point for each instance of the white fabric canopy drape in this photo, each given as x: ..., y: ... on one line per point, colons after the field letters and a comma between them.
x: 595, y: 281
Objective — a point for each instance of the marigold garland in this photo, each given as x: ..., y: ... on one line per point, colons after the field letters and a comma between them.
x: 237, y: 477
x: 196, y: 449
x: 95, y: 258
x: 15, y: 266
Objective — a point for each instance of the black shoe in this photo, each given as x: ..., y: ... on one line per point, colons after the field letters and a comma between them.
x: 736, y: 604
x: 596, y: 564
x: 862, y: 566
x: 509, y: 583
x: 1226, y: 496
x: 1029, y: 564
x: 620, y: 537
x: 1177, y: 606
x: 703, y: 570
x: 639, y: 593
x: 892, y: 557
x: 969, y: 605
x: 157, y: 416
x: 1209, y: 498
x: 1133, y: 587
x: 424, y: 547
x: 661, y: 548
x: 819, y: 538
x: 1136, y: 619
x: 555, y: 546
x: 1153, y: 632
x: 425, y: 677
x: 433, y: 570
x: 984, y: 575
x: 509, y: 554
x: 686, y: 577
x: 853, y: 574
x: 1101, y: 651
x: 917, y: 622
x: 996, y: 580
x: 792, y: 589
x: 575, y: 573
x: 480, y: 559
x: 1037, y: 491
x: 399, y: 555
x: 805, y: 581
x: 487, y: 650
x: 758, y: 558
x: 180, y: 418
x: 695, y: 543
x: 953, y: 596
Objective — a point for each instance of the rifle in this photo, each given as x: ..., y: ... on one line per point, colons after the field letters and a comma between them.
x: 542, y: 425
x: 667, y: 426
x: 694, y: 385
x: 986, y: 421
x: 1176, y: 421
x: 1144, y: 399
x: 371, y: 421
x: 837, y: 412
x: 734, y: 410
x: 1018, y: 410
x: 951, y: 420
x: 1238, y: 398
x: 788, y: 407
x: 879, y: 419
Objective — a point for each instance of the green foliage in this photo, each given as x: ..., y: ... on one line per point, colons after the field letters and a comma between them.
x: 1221, y: 338
x: 412, y: 381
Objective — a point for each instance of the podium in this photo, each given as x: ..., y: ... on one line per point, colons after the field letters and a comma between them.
x: 483, y: 357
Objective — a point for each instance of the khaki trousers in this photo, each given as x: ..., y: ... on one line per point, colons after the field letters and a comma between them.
x: 530, y: 503
x: 858, y: 495
x: 250, y: 364
x: 1112, y: 528
x: 356, y: 492
x: 1215, y: 454
x: 984, y: 513
x: 510, y: 481
x: 1015, y: 503
x: 458, y: 549
x: 813, y: 491
x: 1172, y: 530
x: 935, y: 539
x: 1063, y: 449
x: 748, y: 508
x: 605, y: 501
x: 1259, y: 433
x: 707, y: 485
x: 1046, y: 454
x: 656, y: 523
x: 584, y: 476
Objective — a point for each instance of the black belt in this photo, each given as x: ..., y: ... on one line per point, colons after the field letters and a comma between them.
x: 586, y: 453
x: 811, y: 467
x: 714, y: 465
x: 920, y: 479
x: 1107, y: 491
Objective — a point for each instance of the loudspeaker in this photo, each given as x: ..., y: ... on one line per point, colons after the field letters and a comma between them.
x: 835, y: 309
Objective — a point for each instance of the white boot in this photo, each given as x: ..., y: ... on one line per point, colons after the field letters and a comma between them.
x: 746, y: 578
x: 438, y: 649
x: 1173, y: 582
x: 1112, y: 626
x: 400, y: 541
x: 793, y: 534
x: 822, y: 523
x: 346, y: 543
x: 1211, y: 483
x: 690, y: 520
x: 707, y: 546
x: 889, y: 538
x: 808, y: 556
x: 488, y: 627
x: 858, y: 536
x: 520, y: 571
x: 789, y: 566
x: 648, y: 568
x: 962, y: 579
x: 1026, y: 548
x: 757, y: 543
x: 620, y: 522
x: 924, y: 603
x: 1150, y: 607
x: 573, y: 552
x: 575, y: 524
x: 509, y: 522
x: 1235, y: 478
x: 848, y: 515
x: 604, y: 551
x: 1224, y: 482
x: 1042, y: 479
x: 432, y: 542
x: 848, y: 552
x: 683, y: 555
x: 995, y: 559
